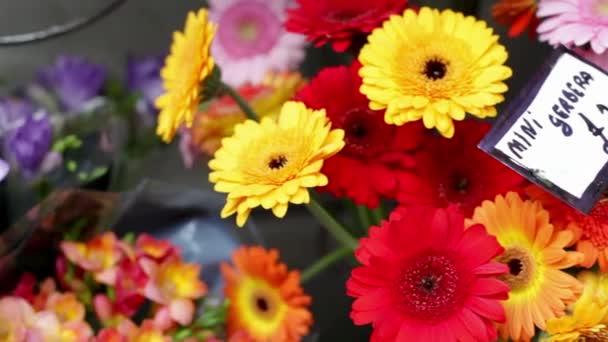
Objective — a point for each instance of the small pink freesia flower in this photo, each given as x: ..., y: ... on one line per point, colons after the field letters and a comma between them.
x: 76, y: 332
x: 106, y: 311
x: 20, y: 323
x: 130, y: 283
x: 99, y: 255
x: 574, y: 23
x: 110, y: 335
x: 76, y: 279
x: 25, y: 287
x: 174, y: 284
x: 156, y: 249
x: 66, y: 306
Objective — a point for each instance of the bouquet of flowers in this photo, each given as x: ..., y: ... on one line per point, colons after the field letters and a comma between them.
x: 75, y: 126
x: 452, y: 245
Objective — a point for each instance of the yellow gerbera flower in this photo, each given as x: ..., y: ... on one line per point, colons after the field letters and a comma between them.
x: 266, y: 300
x: 272, y: 163
x: 589, y: 315
x: 435, y: 66
x: 186, y: 67
x: 534, y: 252
x: 218, y: 120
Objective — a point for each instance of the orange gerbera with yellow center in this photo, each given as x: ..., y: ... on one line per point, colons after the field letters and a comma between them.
x: 590, y: 231
x: 266, y: 301
x: 535, y: 253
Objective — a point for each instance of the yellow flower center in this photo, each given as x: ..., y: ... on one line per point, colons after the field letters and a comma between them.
x: 602, y: 7
x: 262, y: 306
x: 248, y: 31
x: 178, y: 280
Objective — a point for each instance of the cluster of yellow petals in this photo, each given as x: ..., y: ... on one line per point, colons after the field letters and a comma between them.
x: 434, y: 66
x: 186, y: 67
x: 588, y: 317
x: 273, y: 162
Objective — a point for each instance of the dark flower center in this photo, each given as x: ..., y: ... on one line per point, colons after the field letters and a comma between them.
x: 515, y: 266
x: 521, y: 267
x: 461, y: 184
x: 431, y: 286
x: 435, y: 69
x: 264, y: 304
x: 365, y: 131
x: 277, y: 162
x: 261, y: 304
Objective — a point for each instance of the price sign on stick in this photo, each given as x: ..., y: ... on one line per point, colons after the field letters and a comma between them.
x: 556, y: 132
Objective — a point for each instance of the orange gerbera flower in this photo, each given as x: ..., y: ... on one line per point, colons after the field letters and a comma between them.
x: 266, y: 300
x: 590, y: 231
x: 534, y: 252
x: 519, y: 15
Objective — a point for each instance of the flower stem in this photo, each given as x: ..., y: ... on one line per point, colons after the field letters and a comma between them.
x: 245, y: 107
x: 323, y: 263
x: 379, y: 214
x: 364, y: 218
x: 332, y: 225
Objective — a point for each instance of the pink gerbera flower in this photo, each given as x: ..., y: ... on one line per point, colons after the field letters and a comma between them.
x: 251, y: 39
x: 574, y: 23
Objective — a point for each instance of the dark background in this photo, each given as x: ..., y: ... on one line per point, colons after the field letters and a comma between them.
x: 144, y: 27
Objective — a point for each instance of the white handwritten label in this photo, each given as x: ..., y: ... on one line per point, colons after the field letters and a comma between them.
x: 557, y: 132
x: 564, y: 132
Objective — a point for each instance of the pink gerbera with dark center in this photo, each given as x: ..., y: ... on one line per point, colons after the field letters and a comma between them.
x: 340, y: 22
x: 376, y: 155
x: 456, y: 172
x: 574, y: 23
x: 251, y: 40
x: 424, y: 275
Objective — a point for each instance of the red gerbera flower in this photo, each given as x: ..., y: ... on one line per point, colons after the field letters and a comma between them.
x: 519, y: 15
x: 454, y: 171
x: 340, y: 21
x: 424, y: 275
x: 375, y: 157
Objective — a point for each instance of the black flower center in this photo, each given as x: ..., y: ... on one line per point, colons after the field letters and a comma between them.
x: 461, y: 184
x: 277, y: 162
x: 357, y: 130
x: 429, y: 283
x: 515, y: 266
x: 262, y: 304
x: 435, y: 69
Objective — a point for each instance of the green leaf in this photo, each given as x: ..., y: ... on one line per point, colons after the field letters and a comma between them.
x: 71, y: 165
x: 213, y: 316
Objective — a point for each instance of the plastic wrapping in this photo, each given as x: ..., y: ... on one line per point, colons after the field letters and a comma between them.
x: 186, y: 217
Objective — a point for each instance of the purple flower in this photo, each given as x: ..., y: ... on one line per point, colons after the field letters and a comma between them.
x: 12, y: 112
x: 30, y: 143
x: 143, y: 77
x: 74, y: 80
